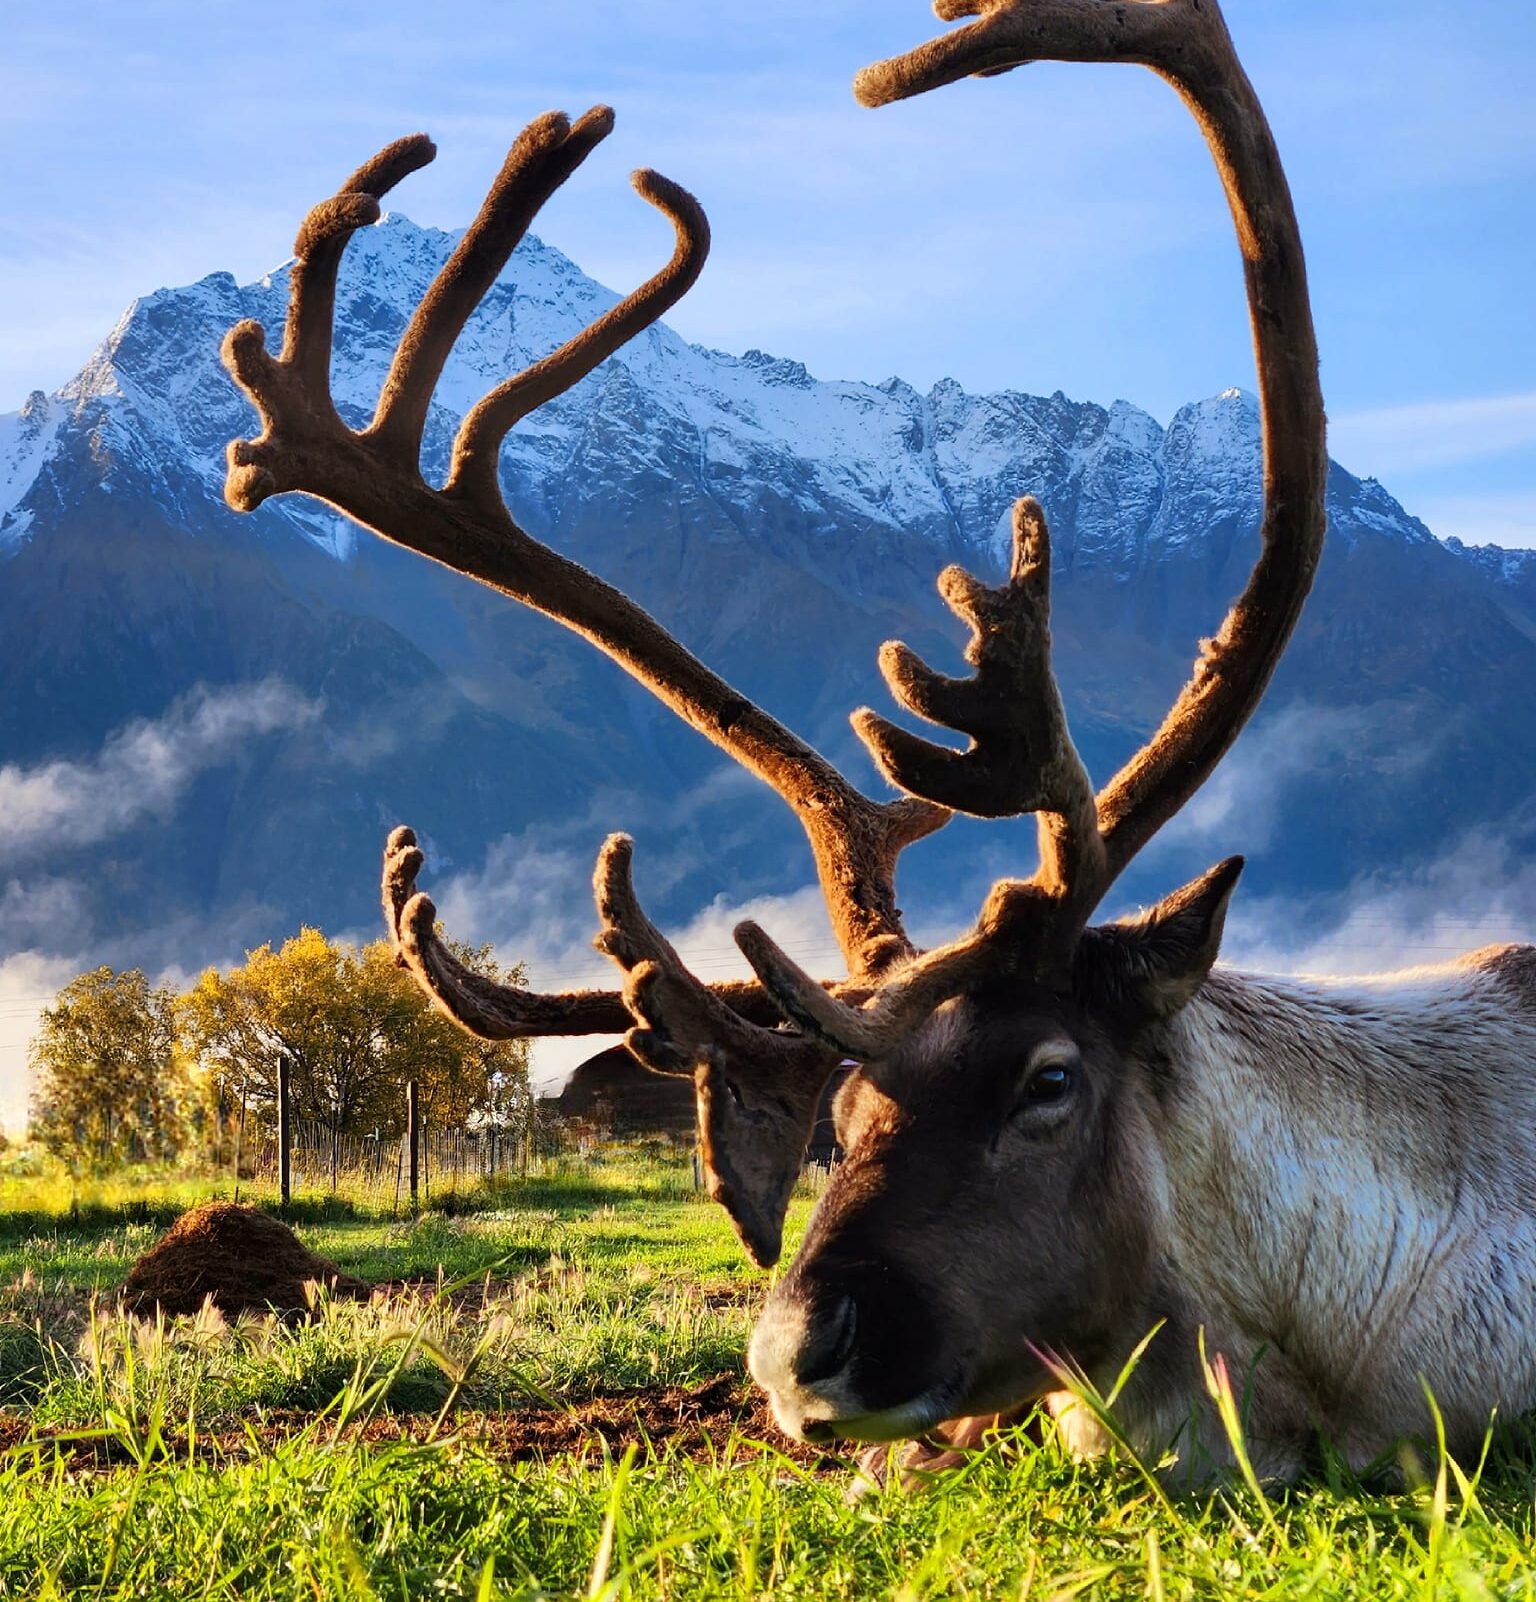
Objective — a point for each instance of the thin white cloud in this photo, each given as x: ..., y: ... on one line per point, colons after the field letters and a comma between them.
x: 28, y: 982
x: 1440, y: 433
x: 142, y: 769
x: 43, y: 910
x: 1250, y: 785
x: 1246, y: 799
x: 1481, y: 892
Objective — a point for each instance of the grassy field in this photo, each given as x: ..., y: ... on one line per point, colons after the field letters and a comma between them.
x: 545, y: 1400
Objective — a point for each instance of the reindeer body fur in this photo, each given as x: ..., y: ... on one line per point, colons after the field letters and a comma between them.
x: 1342, y: 1176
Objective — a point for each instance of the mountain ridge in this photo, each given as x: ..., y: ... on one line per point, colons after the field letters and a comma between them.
x: 963, y: 441
x: 780, y: 524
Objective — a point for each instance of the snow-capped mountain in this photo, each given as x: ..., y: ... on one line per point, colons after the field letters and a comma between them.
x: 781, y: 525
x: 938, y: 469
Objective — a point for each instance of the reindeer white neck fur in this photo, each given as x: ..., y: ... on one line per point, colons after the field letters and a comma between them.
x: 1347, y: 1207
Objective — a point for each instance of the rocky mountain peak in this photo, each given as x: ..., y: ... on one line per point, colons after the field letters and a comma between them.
x: 753, y: 432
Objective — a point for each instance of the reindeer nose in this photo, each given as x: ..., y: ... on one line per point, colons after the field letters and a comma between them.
x: 805, y: 1337
x: 827, y: 1343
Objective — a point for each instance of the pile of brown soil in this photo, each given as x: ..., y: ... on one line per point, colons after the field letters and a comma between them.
x: 246, y: 1260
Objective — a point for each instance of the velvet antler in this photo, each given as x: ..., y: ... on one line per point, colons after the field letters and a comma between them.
x: 1187, y: 42
x: 1021, y: 757
x: 373, y: 475
x: 503, y: 1012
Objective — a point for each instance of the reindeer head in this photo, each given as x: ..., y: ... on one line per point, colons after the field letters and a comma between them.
x: 1000, y: 1184
x: 997, y: 1207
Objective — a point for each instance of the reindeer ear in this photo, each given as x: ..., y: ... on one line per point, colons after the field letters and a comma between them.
x: 1145, y: 969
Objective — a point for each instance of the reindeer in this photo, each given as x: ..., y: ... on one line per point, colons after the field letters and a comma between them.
x: 1058, y: 1136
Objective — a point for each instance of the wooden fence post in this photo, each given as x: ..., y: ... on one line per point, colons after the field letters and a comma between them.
x: 284, y: 1129
x: 413, y: 1142
x: 240, y: 1141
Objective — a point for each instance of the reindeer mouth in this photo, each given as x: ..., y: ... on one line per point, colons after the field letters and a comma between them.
x: 900, y: 1423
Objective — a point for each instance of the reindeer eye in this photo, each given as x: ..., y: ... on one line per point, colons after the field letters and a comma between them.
x: 1043, y: 1097
x: 1049, y: 1085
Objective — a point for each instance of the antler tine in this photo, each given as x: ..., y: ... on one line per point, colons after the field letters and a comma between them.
x: 1026, y: 926
x: 503, y: 1012
x: 1008, y: 34
x: 1021, y: 757
x: 478, y: 445
x: 873, y: 1029
x: 296, y: 384
x: 543, y: 156
x: 318, y: 249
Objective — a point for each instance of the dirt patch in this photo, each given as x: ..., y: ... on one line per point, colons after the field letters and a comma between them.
x: 702, y: 1420
x: 245, y: 1259
x: 721, y: 1293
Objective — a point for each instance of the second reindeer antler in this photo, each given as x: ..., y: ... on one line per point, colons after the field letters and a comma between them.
x: 748, y: 1077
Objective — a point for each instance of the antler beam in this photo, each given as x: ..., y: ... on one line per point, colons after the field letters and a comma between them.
x: 1186, y: 42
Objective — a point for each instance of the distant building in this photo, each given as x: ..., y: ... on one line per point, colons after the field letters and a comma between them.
x: 612, y: 1091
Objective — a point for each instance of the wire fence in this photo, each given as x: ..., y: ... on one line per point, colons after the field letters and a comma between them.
x: 376, y: 1169
x: 425, y: 1164
x: 373, y: 1171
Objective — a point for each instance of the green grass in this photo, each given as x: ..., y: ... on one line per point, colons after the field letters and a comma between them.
x: 599, y: 1281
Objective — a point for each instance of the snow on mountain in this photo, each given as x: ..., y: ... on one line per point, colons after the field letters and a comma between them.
x: 755, y: 434
x: 782, y: 526
x: 1511, y: 567
x: 26, y: 440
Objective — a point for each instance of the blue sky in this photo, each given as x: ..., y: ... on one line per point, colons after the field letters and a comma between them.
x: 1058, y: 228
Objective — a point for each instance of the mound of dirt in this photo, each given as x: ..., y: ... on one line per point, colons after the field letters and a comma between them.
x: 245, y: 1259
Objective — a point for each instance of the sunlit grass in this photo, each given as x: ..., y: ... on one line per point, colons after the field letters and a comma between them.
x: 598, y: 1281
x: 311, y: 1517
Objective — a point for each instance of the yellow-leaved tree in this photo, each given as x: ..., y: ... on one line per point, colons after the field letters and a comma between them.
x: 355, y: 1028
x: 110, y: 1085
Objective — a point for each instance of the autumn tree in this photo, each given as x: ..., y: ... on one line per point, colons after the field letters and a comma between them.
x: 355, y: 1027
x: 109, y: 1083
